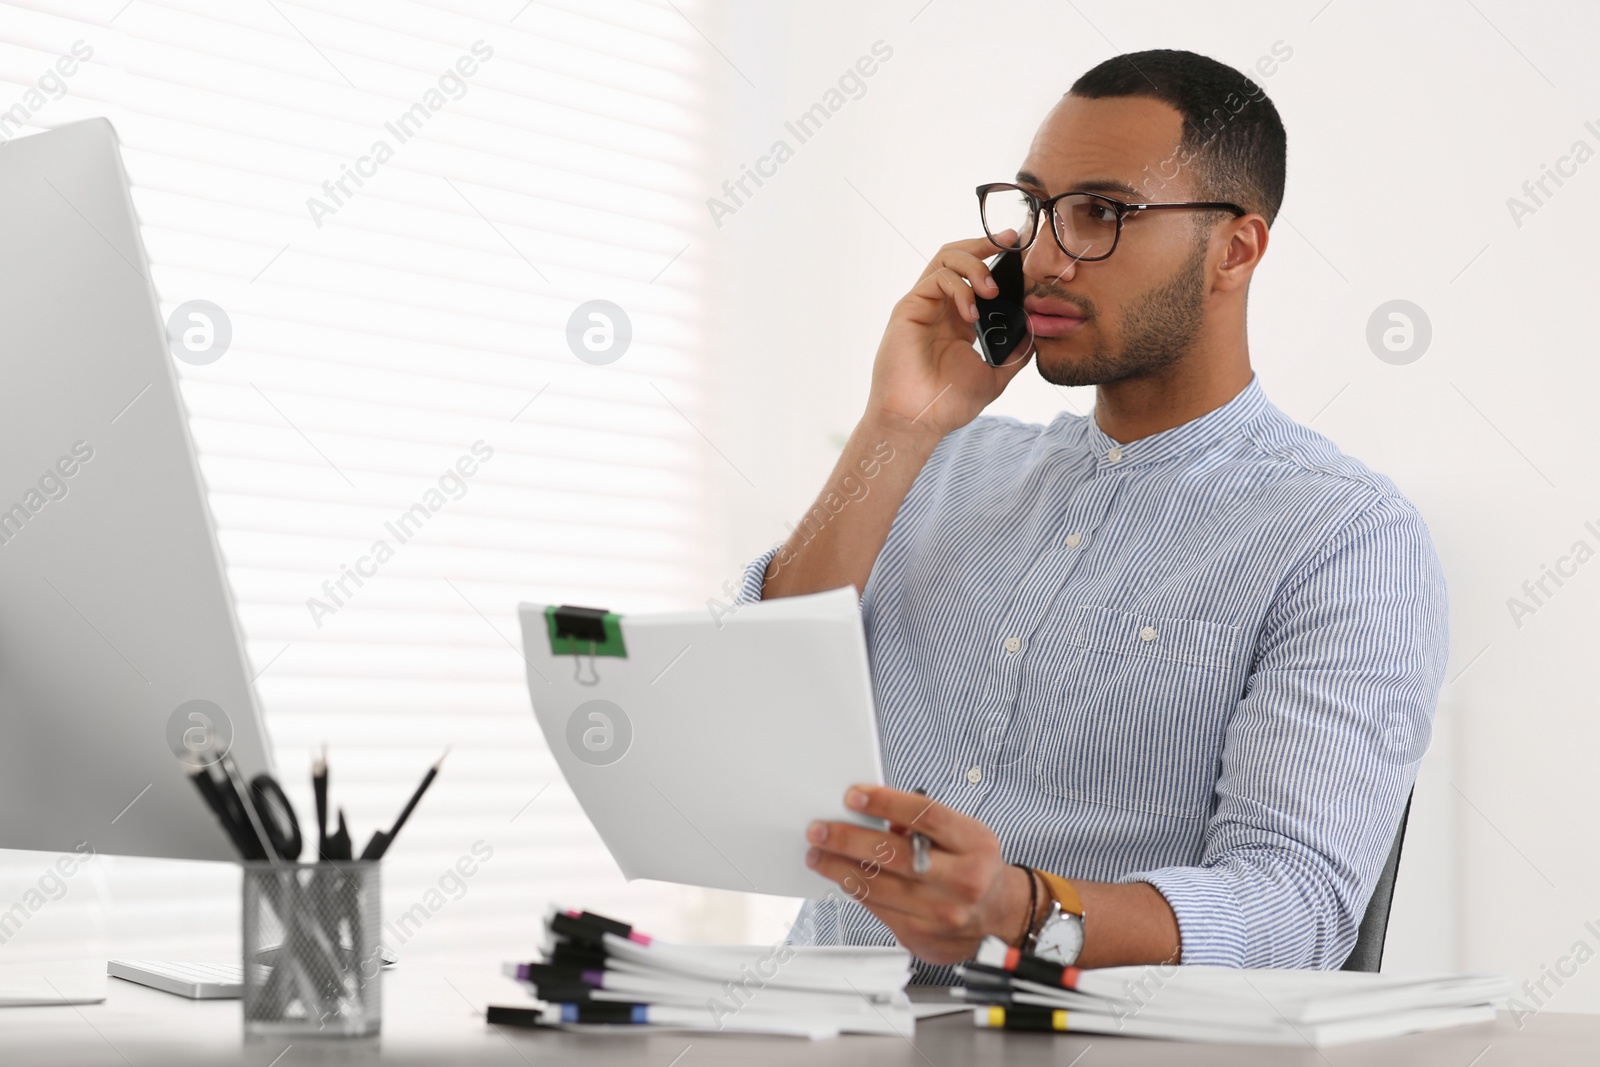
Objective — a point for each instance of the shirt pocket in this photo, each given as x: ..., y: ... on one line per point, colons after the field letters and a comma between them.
x: 1136, y: 718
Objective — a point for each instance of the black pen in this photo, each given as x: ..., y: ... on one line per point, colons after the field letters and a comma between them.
x: 381, y: 840
x: 234, y: 782
x: 319, y: 787
x: 208, y: 790
x: 236, y: 806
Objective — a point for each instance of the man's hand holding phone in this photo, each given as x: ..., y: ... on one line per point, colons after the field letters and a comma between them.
x: 927, y: 380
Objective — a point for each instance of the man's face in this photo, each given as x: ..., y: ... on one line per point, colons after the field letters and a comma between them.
x: 1140, y: 310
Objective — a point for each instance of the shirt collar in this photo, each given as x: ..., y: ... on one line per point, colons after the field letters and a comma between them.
x: 1180, y: 440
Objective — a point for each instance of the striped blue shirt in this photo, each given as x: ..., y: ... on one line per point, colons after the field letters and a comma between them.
x: 1206, y: 659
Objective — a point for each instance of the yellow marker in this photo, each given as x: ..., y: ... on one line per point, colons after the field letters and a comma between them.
x: 996, y: 1018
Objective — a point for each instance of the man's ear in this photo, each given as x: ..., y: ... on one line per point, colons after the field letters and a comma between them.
x: 1246, y: 243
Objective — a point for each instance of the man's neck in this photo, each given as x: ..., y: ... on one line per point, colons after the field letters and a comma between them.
x: 1138, y: 407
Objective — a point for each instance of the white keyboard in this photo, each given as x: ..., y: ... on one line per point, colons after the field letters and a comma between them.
x: 197, y: 981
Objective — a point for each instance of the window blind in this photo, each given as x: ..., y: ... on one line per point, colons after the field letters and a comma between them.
x: 399, y: 316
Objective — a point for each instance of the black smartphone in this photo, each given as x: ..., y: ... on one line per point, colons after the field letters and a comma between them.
x: 1002, y: 323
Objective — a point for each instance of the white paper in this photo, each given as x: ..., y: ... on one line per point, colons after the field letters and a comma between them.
x: 733, y: 733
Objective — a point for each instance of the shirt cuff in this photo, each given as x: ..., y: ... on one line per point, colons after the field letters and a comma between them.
x: 1211, y: 925
x: 755, y: 577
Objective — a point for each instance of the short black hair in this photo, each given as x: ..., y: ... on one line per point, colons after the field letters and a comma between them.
x: 1231, y: 130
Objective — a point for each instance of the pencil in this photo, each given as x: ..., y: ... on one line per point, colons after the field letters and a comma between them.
x: 383, y: 839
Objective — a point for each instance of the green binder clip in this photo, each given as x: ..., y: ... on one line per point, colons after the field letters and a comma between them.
x: 575, y: 631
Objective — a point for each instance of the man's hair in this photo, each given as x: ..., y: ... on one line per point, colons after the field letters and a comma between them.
x: 1231, y: 130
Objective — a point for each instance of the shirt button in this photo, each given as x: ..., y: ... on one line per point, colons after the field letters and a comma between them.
x: 1115, y: 455
x: 1147, y: 634
x: 1012, y: 644
x: 1074, y: 540
x: 974, y: 775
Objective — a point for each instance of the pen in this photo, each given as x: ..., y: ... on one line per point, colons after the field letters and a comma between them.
x: 319, y: 787
x: 919, y: 844
x: 208, y: 790
x: 381, y: 840
x: 237, y: 808
x: 258, y: 833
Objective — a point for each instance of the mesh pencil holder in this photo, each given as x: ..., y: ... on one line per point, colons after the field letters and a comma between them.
x: 312, y: 955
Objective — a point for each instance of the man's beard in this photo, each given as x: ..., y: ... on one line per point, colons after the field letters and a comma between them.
x: 1159, y: 330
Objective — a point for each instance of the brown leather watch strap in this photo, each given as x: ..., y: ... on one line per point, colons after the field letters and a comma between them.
x: 1064, y: 892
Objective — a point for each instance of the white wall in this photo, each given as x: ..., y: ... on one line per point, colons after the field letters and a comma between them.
x: 1409, y: 127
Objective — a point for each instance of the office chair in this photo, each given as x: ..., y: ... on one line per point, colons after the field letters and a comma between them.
x: 1368, y: 953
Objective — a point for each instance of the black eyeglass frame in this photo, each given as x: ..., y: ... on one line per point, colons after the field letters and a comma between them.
x: 1122, y: 209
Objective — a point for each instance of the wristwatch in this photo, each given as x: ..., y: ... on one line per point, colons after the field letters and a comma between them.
x: 1059, y: 938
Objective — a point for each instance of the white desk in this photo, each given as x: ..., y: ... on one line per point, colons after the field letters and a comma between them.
x: 434, y: 1015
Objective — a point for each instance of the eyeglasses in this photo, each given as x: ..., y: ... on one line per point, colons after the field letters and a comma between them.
x: 1087, y: 225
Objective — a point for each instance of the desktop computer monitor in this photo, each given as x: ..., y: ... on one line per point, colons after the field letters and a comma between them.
x: 119, y: 645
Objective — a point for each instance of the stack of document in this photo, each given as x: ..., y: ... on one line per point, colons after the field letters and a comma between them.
x: 1202, y: 1003
x: 598, y: 973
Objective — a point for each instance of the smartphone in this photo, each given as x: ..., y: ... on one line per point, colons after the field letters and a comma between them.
x: 1002, y: 323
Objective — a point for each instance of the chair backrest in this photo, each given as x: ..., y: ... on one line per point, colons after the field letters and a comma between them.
x: 1368, y: 953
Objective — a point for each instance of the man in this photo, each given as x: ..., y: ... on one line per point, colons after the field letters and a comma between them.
x: 1171, y: 665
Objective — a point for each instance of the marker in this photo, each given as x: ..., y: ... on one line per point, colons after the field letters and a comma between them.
x: 500, y: 1015
x: 620, y: 1014
x: 596, y: 1011
x: 558, y: 983
x: 556, y: 973
x: 1021, y: 1017
x: 565, y: 994
x: 1005, y: 998
x: 576, y: 955
x: 997, y: 956
x: 588, y: 928
x: 978, y: 978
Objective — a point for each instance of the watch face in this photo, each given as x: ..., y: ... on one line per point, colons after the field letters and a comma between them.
x: 1061, y: 939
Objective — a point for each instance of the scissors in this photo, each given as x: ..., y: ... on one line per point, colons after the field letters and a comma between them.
x: 277, y: 817
x: 269, y: 815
